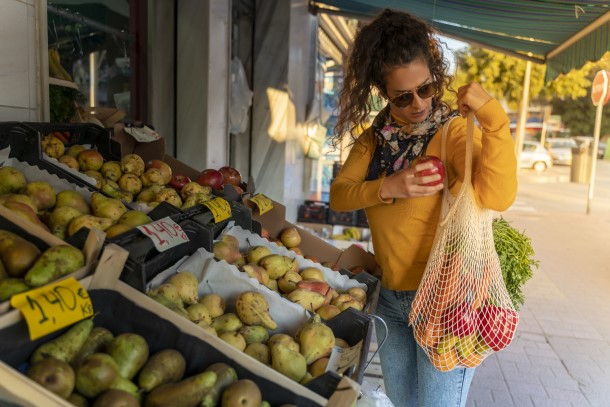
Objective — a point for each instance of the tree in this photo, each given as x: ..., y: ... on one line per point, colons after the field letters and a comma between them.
x: 503, y: 76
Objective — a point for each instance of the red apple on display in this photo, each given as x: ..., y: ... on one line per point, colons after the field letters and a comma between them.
x: 178, y: 181
x: 439, y: 168
x: 211, y: 178
x: 164, y: 168
x: 230, y: 175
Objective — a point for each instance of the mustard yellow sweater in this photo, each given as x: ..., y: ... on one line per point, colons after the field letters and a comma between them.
x: 403, y: 229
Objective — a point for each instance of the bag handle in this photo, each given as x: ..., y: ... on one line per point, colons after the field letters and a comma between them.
x: 467, y: 164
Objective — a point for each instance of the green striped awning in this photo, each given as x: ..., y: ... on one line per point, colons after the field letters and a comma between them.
x: 563, y: 34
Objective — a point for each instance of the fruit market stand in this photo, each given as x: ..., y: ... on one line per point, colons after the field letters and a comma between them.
x: 130, y: 277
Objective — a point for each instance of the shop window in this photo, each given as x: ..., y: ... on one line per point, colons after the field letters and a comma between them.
x: 98, y: 48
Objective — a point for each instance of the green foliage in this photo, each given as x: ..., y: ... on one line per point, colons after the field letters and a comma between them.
x: 515, y: 251
x: 502, y: 76
x: 63, y: 102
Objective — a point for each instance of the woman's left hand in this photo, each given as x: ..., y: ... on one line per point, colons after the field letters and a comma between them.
x: 471, y: 97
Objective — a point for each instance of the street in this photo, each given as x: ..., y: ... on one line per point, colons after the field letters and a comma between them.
x: 561, y: 353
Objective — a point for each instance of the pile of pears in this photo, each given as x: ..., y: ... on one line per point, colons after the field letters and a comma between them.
x: 250, y: 328
x: 129, y: 179
x: 89, y: 365
x: 24, y: 266
x: 306, y: 286
x: 65, y: 212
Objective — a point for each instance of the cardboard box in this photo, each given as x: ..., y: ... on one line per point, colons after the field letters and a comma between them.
x: 162, y: 329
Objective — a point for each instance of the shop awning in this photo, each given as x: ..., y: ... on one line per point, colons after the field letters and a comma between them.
x: 560, y: 33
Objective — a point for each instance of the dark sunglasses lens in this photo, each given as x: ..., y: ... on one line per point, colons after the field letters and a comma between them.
x: 427, y: 90
x: 404, y: 100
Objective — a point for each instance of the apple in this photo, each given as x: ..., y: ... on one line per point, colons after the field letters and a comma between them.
x: 211, y: 178
x: 439, y: 168
x: 178, y: 181
x: 461, y: 320
x: 230, y: 175
x: 164, y: 168
x: 497, y: 326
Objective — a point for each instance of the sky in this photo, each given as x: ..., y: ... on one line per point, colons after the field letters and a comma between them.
x: 452, y: 46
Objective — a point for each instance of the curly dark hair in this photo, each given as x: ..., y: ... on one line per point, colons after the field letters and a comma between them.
x: 391, y: 40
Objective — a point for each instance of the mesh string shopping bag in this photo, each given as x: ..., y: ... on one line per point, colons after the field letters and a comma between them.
x: 462, y: 311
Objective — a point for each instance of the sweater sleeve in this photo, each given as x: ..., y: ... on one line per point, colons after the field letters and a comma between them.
x: 494, y: 177
x: 349, y: 191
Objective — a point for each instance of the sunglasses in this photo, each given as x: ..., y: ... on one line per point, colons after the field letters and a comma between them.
x: 424, y: 91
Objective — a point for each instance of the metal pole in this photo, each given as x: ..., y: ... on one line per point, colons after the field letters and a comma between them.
x: 596, y: 131
x: 523, y: 110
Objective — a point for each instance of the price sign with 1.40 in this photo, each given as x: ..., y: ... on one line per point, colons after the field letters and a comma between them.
x: 164, y: 233
x: 54, y: 306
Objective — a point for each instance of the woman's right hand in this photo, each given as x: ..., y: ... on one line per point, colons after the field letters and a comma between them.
x: 405, y: 183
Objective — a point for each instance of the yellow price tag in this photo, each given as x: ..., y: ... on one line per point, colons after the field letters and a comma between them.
x: 54, y: 306
x: 264, y: 204
x: 220, y: 209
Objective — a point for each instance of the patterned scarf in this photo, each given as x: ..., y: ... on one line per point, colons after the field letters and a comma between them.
x: 397, y: 146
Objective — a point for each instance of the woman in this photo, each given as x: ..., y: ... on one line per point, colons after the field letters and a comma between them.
x: 398, y: 56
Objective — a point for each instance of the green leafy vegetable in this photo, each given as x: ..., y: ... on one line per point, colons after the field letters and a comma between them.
x: 516, y: 258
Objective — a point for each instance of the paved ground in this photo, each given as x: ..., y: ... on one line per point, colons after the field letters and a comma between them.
x: 561, y: 353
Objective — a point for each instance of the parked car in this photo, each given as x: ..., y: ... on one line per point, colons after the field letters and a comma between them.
x: 533, y: 155
x: 561, y: 150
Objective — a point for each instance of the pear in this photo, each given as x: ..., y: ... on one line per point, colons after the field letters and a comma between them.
x: 21, y: 198
x: 256, y: 272
x: 188, y: 286
x: 195, y: 199
x: 74, y: 150
x: 285, y: 340
x: 72, y: 199
x: 309, y: 300
x: 243, y: 393
x: 69, y: 161
x: 130, y: 352
x: 105, y: 207
x: 169, y: 195
x: 259, y: 351
x: 25, y: 212
x: 254, y: 334
x: 194, y: 187
x: 41, y: 193
x: 256, y: 253
x: 288, y: 362
x: 132, y: 164
x: 168, y: 291
x: 288, y: 282
x: 116, y: 398
x: 66, y: 346
x: 117, y: 229
x: 277, y: 265
x: 88, y: 221
x: 97, y: 341
x: 152, y: 176
x: 198, y: 313
x: 316, y: 339
x: 134, y: 218
x: 54, y: 263
x: 234, y: 339
x: 214, y: 303
x: 111, y: 170
x: 149, y: 194
x: 253, y: 309
x: 228, y: 322
x: 96, y: 374
x: 12, y: 286
x: 90, y: 160
x: 187, y: 392
x: 17, y: 254
x: 130, y: 183
x: 11, y: 180
x: 54, y: 375
x: 224, y: 251
x: 60, y: 219
x: 166, y: 366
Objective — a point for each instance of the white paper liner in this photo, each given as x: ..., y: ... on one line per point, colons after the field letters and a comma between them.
x: 221, y: 278
x: 247, y: 239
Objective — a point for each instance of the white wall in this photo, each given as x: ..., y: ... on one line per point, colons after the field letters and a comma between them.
x: 21, y: 92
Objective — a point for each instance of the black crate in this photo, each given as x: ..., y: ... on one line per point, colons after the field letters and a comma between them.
x: 240, y: 214
x: 341, y: 218
x: 361, y: 220
x: 313, y: 212
x: 145, y: 261
x: 119, y: 314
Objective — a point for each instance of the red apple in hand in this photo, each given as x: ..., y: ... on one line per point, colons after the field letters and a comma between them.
x: 211, y: 178
x: 230, y: 175
x: 439, y: 168
x: 178, y: 181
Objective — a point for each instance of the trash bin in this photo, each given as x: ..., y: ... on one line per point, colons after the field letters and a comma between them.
x: 580, y: 170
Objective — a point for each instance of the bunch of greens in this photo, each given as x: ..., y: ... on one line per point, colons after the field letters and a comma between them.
x: 63, y: 103
x: 516, y: 258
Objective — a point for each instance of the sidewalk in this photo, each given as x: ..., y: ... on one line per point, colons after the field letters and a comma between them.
x: 561, y: 352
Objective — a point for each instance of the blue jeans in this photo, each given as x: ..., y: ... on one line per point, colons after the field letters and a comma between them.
x: 409, y: 377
